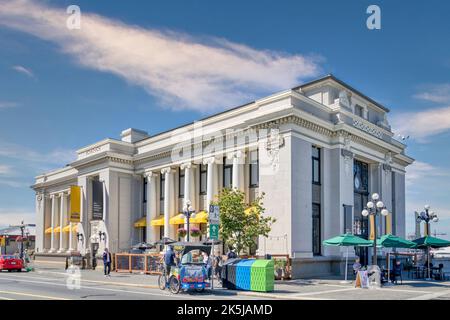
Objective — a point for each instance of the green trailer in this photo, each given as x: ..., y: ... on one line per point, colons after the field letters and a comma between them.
x: 262, y: 276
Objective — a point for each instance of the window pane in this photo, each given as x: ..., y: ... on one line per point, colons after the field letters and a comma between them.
x: 315, y: 152
x: 203, y: 181
x: 181, y: 187
x: 227, y: 177
x: 316, y: 176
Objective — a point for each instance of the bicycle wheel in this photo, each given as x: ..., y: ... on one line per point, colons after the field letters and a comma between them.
x: 174, y: 285
x: 162, y: 281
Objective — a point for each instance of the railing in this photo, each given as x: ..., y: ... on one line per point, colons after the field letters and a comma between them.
x: 145, y: 263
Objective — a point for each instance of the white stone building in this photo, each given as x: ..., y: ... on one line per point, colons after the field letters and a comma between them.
x: 317, y: 151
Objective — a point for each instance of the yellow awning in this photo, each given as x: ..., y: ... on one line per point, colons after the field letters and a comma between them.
x: 158, y: 221
x: 201, y: 217
x: 48, y: 230
x: 74, y: 228
x: 141, y: 223
x: 178, y: 219
x: 57, y: 230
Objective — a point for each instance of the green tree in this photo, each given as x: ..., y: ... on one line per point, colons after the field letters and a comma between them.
x: 240, y: 228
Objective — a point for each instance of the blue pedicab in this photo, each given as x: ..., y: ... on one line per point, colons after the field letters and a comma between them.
x: 191, y: 273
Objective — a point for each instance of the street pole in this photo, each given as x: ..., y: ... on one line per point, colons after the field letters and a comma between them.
x: 374, y: 259
x: 213, y: 267
x: 188, y: 226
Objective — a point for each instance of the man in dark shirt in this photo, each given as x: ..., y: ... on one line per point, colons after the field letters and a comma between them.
x: 169, y: 259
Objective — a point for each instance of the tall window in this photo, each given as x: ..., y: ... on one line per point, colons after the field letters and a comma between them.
x: 316, y: 165
x: 203, y: 181
x: 162, y: 182
x: 144, y: 195
x: 316, y: 238
x: 361, y: 197
x: 181, y: 173
x: 227, y: 173
x: 359, y: 111
x: 254, y: 169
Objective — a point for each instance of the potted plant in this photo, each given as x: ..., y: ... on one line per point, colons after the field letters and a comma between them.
x: 181, y: 232
x: 195, y: 232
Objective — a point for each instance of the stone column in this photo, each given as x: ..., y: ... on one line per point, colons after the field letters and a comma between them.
x: 40, y: 219
x: 62, y: 220
x: 189, y: 190
x: 211, y: 188
x: 168, y: 201
x: 238, y: 158
x: 52, y: 235
x: 151, y: 204
x: 70, y: 230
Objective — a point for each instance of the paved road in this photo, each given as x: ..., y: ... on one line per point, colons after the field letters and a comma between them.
x: 55, y: 286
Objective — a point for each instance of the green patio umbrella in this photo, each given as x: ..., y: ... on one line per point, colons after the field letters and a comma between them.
x: 347, y: 240
x: 428, y: 242
x: 391, y: 241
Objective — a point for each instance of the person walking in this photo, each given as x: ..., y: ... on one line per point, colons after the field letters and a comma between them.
x: 107, y: 262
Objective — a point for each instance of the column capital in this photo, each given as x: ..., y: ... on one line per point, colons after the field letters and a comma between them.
x: 167, y: 170
x: 239, y: 154
x: 187, y: 165
x: 211, y: 160
x: 150, y: 174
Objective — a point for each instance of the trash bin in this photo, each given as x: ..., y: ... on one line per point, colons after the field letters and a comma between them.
x: 229, y: 273
x: 262, y: 276
x: 243, y: 273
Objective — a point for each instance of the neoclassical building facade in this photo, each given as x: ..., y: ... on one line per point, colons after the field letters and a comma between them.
x: 317, y: 151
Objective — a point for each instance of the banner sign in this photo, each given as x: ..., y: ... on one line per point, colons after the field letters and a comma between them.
x: 372, y: 227
x: 214, y: 214
x: 97, y: 200
x: 75, y: 204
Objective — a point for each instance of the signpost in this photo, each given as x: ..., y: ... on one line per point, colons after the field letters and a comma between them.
x: 214, y: 220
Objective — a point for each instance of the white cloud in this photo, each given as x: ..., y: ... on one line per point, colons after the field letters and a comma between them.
x: 183, y: 71
x: 13, y: 216
x: 23, y: 70
x: 418, y: 171
x: 57, y: 156
x: 5, y: 169
x: 439, y: 93
x: 423, y: 124
x: 8, y: 104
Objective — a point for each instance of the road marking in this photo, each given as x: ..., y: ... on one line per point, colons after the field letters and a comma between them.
x: 431, y: 295
x: 5, y: 298
x: 107, y: 289
x: 31, y: 295
x: 322, y: 292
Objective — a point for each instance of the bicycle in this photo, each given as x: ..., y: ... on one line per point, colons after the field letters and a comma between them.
x: 173, y: 283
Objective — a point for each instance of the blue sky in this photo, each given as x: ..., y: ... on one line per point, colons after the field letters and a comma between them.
x: 155, y: 65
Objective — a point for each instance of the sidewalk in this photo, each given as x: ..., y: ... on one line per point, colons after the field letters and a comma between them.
x: 301, y: 289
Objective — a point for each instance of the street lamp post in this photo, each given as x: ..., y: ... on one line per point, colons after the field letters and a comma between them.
x: 374, y: 208
x: 427, y: 215
x: 188, y: 213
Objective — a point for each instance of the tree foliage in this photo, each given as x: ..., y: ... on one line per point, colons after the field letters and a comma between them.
x: 240, y: 228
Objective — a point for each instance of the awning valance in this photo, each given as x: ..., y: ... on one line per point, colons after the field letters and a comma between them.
x: 178, y: 219
x: 200, y: 217
x: 74, y: 228
x: 157, y: 222
x: 48, y: 230
x: 141, y: 223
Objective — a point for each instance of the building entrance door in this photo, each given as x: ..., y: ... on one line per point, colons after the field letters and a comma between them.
x: 361, y: 197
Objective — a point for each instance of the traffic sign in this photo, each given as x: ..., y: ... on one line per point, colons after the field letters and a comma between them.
x: 214, y: 214
x: 214, y: 231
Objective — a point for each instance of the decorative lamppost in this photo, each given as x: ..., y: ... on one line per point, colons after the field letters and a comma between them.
x: 188, y: 213
x: 427, y: 215
x: 374, y: 208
